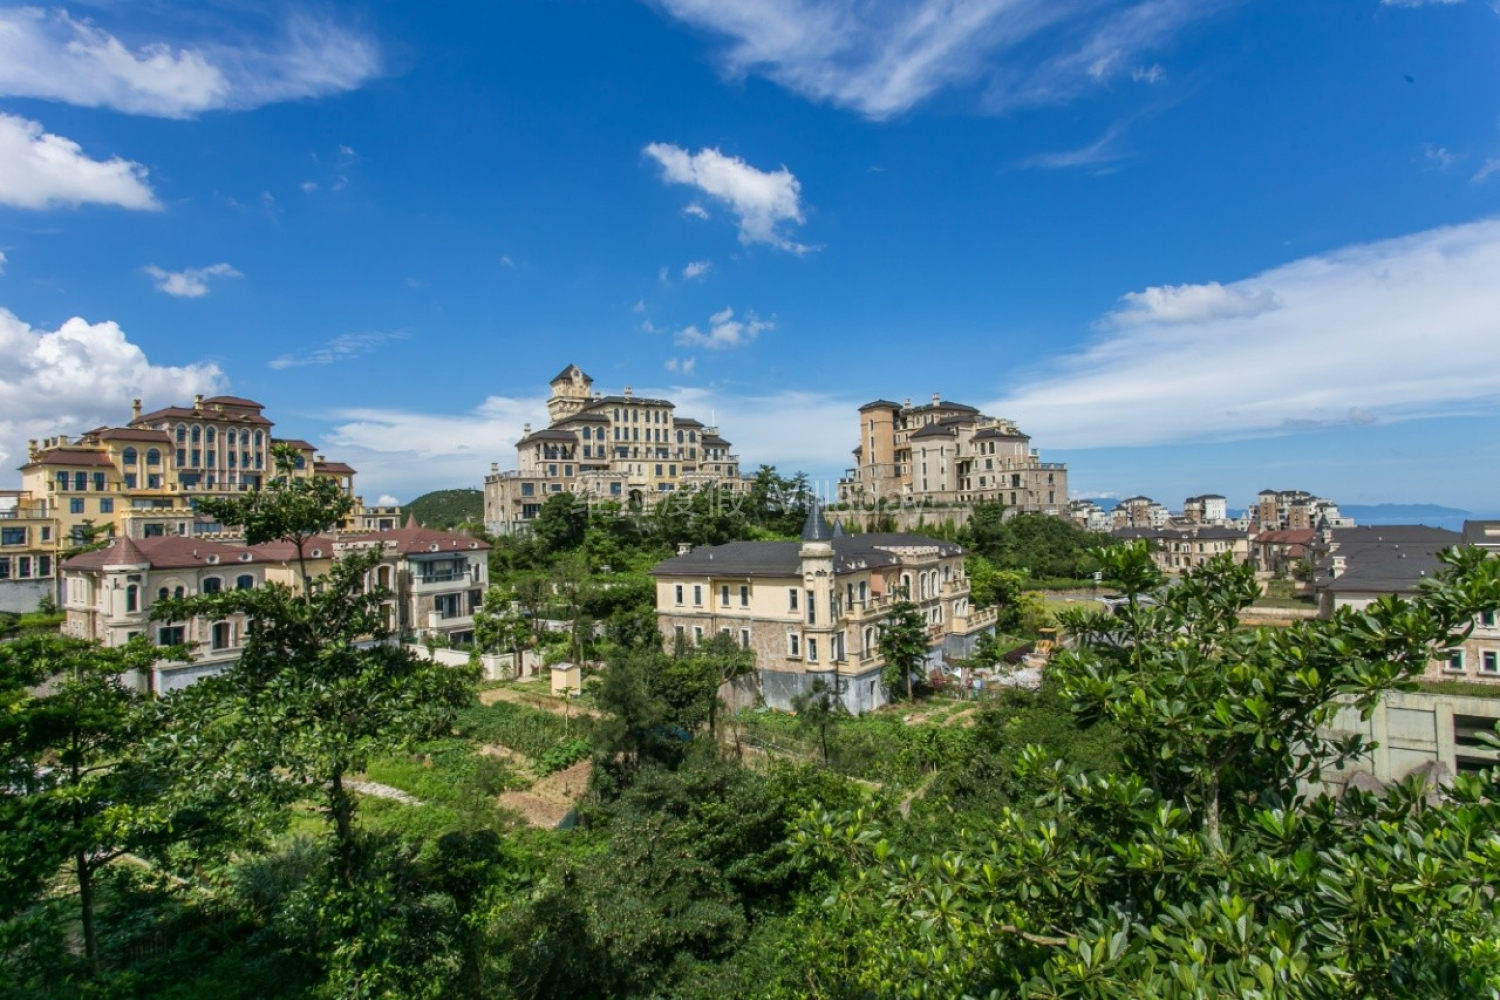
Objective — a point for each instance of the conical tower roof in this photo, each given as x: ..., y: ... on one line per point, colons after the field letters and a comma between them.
x: 816, y: 528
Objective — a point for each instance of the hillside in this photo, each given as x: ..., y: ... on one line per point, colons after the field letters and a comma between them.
x: 446, y: 508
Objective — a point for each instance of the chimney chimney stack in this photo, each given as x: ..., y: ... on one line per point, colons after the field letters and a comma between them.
x: 627, y: 392
x: 135, y: 408
x: 937, y: 398
x: 198, y: 403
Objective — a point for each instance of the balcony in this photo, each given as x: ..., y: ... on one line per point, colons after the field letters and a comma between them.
x: 976, y: 619
x: 441, y: 620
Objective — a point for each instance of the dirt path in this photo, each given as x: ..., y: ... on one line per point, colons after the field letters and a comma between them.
x: 550, y: 799
x: 379, y: 791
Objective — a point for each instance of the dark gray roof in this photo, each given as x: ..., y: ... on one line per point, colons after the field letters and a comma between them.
x: 713, y: 440
x: 1200, y: 531
x: 1367, y: 534
x: 944, y: 404
x: 877, y: 404
x: 627, y: 400
x: 567, y: 373
x: 1484, y: 533
x: 1209, y: 496
x: 851, y: 553
x: 933, y: 430
x: 550, y: 434
x: 583, y: 416
x: 816, y: 527
x: 686, y: 422
x: 995, y: 432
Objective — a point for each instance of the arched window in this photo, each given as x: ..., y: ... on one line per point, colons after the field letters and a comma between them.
x: 197, y: 434
x: 132, y: 598
x: 258, y: 439
x: 128, y: 456
x: 212, y: 585
x: 153, y: 456
x: 244, y: 582
x: 177, y: 592
x: 163, y: 594
x: 210, y: 435
x: 905, y: 584
x: 181, y: 433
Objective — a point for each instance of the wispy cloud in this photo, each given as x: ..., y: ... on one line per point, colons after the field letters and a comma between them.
x: 1401, y: 328
x: 882, y: 57
x: 344, y: 347
x: 681, y: 366
x: 695, y: 210
x: 3, y: 260
x: 697, y: 269
x: 1103, y: 150
x: 724, y: 331
x: 190, y: 282
x: 51, y: 55
x: 765, y: 202
x: 1440, y: 157
x: 1419, y: 3
x: 41, y: 170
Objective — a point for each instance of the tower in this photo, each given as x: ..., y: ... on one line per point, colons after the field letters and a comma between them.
x: 571, y: 390
x: 819, y: 624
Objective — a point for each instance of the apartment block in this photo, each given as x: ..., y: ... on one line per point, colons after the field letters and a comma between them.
x: 1295, y: 510
x: 1176, y: 549
x: 1208, y: 508
x: 813, y: 609
x: 144, y: 480
x: 627, y: 448
x: 1139, y: 512
x: 947, y: 452
x: 1088, y: 515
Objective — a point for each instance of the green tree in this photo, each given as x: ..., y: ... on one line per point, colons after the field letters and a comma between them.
x: 561, y: 524
x: 903, y: 644
x: 818, y: 709
x: 499, y: 626
x: 71, y: 791
x: 1204, y: 867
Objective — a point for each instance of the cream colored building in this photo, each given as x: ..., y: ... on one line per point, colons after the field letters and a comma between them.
x: 1139, y: 512
x: 143, y: 480
x: 629, y: 449
x: 814, y: 609
x: 1178, y: 549
x: 947, y: 452
x: 435, y: 580
x: 1207, y: 508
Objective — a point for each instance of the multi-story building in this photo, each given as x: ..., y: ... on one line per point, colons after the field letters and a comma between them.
x: 435, y: 581
x: 948, y: 452
x: 626, y: 448
x: 1139, y: 512
x: 1296, y: 510
x: 1178, y: 549
x: 28, y: 552
x: 1208, y: 508
x: 1088, y: 515
x: 144, y: 480
x: 1277, y: 553
x: 813, y: 609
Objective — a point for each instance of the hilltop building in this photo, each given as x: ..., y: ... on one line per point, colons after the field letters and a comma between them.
x: 1295, y: 510
x: 144, y: 480
x: 627, y: 448
x: 947, y: 452
x: 813, y: 609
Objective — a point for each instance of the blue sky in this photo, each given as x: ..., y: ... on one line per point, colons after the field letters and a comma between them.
x: 1188, y: 245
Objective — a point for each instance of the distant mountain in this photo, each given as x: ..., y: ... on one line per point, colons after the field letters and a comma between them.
x: 447, y: 508
x: 1401, y: 513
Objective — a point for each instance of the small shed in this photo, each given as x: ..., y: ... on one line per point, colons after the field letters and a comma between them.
x: 567, y: 678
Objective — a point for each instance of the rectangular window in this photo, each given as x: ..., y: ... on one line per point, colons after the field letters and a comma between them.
x: 98, y: 482
x: 812, y: 651
x: 552, y: 469
x: 681, y: 633
x: 23, y: 567
x: 697, y: 633
x: 182, y: 457
x: 793, y: 644
x: 658, y: 468
x: 744, y: 638
x: 210, y: 456
x: 43, y: 565
x: 679, y: 593
x: 4, y: 567
x: 697, y: 595
x: 567, y: 470
x: 80, y: 481
x: 197, y: 456
x: 1490, y: 663
x: 724, y: 594
x: 528, y: 489
x: 791, y: 599
x: 1455, y: 661
x: 1487, y: 619
x: 75, y: 505
x: 812, y: 609
x: 12, y: 536
x: 744, y: 595
x: 169, y: 635
x: 106, y: 505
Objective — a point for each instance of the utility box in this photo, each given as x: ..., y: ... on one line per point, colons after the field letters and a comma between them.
x: 567, y: 679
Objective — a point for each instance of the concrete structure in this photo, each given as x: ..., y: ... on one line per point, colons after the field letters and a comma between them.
x: 1088, y: 515
x: 1276, y: 553
x: 435, y: 581
x: 1430, y: 733
x: 813, y: 609
x: 1139, y: 512
x: 948, y: 452
x: 1176, y: 549
x: 627, y: 448
x: 1208, y: 508
x: 1295, y: 510
x: 143, y: 480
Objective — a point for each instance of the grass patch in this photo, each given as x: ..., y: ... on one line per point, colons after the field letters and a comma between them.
x: 543, y: 738
x: 879, y: 748
x: 1461, y: 689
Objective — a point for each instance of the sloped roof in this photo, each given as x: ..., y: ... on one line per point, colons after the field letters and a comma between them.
x: 131, y: 434
x: 188, y: 413
x: 67, y: 456
x: 297, y: 443
x: 234, y: 401
x: 880, y: 404
x: 164, y: 552
x: 782, y: 559
x: 567, y: 375
x: 333, y: 468
x: 550, y: 434
x: 414, y: 541
x: 1484, y: 533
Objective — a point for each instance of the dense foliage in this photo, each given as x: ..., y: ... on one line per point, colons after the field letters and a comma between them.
x: 447, y: 508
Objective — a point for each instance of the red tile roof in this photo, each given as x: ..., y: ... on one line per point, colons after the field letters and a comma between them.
x: 62, y: 456
x: 333, y: 468
x: 234, y: 401
x: 413, y: 541
x: 280, y: 551
x: 131, y: 434
x: 188, y: 413
x: 165, y: 552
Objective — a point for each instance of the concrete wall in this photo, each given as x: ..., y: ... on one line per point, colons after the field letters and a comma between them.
x: 22, y: 596
x: 1413, y: 729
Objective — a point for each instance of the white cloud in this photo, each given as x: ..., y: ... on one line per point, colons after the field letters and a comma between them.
x: 53, y: 56
x: 724, y: 331
x: 1418, y: 3
x: 695, y: 210
x: 882, y: 57
x: 190, y: 282
x: 2, y: 261
x: 682, y: 366
x: 639, y: 307
x: 79, y: 376
x: 1154, y: 73
x: 1440, y: 156
x: 762, y: 200
x: 1097, y: 153
x: 1168, y: 304
x: 308, y: 187
x: 386, y: 500
x: 1382, y: 331
x: 344, y: 347
x: 42, y: 170
x: 505, y: 261
x: 697, y: 269
x: 1491, y: 167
